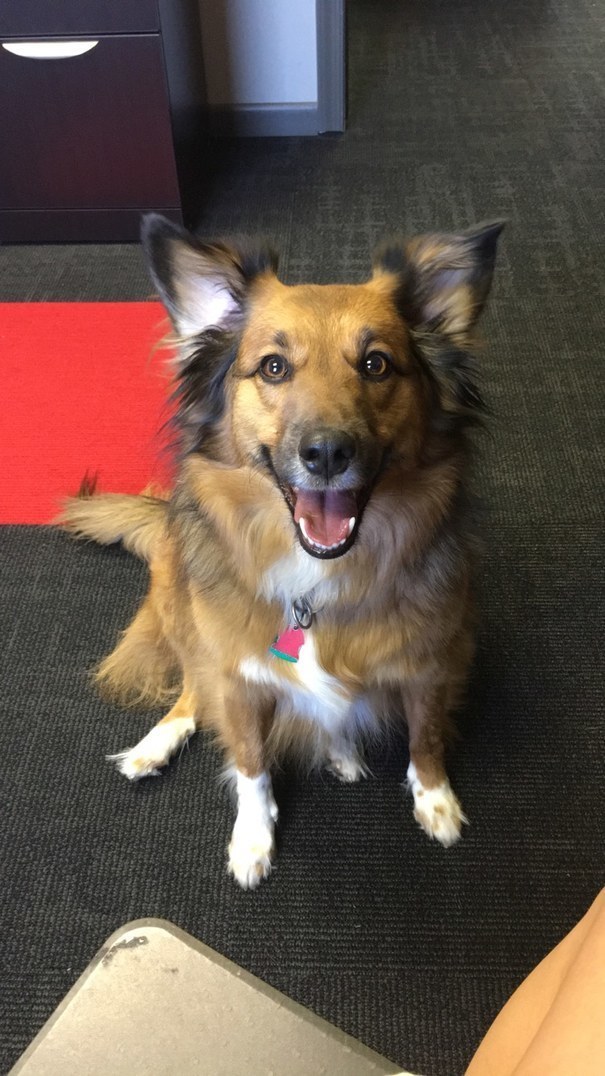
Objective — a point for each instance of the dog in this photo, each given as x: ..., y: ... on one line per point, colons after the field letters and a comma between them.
x: 311, y: 569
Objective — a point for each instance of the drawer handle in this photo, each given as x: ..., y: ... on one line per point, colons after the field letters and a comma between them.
x: 49, y: 50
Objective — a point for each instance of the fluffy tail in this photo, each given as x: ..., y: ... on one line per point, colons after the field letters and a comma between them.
x: 136, y: 520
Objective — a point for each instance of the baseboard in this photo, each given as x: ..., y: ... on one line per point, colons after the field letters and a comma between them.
x: 261, y: 121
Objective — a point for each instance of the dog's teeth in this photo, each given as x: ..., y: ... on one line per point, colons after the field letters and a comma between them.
x: 317, y: 545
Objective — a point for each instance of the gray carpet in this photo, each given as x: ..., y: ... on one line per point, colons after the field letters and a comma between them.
x: 458, y: 111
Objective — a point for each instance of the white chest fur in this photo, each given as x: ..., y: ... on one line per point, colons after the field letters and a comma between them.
x: 298, y: 573
x: 308, y: 689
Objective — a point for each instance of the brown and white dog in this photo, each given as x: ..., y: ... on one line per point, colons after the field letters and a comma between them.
x: 311, y: 570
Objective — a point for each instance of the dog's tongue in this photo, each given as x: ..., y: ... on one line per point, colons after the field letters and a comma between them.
x: 326, y: 514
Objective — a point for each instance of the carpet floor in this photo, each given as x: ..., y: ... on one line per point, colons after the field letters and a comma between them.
x: 458, y: 112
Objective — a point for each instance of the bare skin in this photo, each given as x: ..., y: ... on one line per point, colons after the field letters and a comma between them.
x: 553, y: 1024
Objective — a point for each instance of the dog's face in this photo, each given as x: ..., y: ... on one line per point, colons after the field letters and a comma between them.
x: 324, y: 389
x: 327, y: 386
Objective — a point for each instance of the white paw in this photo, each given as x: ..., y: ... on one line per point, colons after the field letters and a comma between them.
x: 133, y: 765
x: 251, y: 847
x: 437, y: 810
x: 272, y: 807
x: 251, y: 852
x: 154, y: 750
x: 347, y: 768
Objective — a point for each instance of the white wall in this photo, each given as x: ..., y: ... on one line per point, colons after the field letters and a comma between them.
x: 259, y: 51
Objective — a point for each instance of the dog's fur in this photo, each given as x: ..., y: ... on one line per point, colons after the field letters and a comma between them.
x: 379, y: 373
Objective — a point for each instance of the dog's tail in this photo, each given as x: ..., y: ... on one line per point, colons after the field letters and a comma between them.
x: 138, y: 521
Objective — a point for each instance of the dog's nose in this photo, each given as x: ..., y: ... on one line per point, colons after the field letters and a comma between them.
x: 326, y: 453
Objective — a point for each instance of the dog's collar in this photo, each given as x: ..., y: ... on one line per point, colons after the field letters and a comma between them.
x: 289, y: 644
x: 302, y: 613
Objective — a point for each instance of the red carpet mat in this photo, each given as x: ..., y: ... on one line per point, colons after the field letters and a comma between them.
x: 81, y: 391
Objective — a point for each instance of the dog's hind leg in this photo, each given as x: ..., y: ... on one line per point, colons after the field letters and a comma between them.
x: 143, y: 668
x: 436, y: 808
x: 344, y: 761
x: 157, y: 747
x: 344, y: 739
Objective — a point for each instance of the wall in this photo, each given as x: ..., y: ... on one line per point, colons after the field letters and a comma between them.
x: 259, y: 52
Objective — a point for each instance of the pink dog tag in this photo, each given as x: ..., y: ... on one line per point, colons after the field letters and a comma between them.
x: 288, y: 644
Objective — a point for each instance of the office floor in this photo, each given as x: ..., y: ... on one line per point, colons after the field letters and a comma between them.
x: 458, y: 112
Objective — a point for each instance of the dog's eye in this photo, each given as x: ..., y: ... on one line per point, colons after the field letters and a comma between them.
x: 274, y: 368
x: 375, y: 366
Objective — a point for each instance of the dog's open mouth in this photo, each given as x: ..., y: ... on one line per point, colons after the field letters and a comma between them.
x: 326, y: 520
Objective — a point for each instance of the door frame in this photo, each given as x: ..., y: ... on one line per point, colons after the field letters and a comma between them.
x: 331, y: 65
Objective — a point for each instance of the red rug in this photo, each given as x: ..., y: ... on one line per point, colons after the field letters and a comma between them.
x: 81, y: 391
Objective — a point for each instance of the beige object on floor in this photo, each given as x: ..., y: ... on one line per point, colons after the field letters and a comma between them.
x: 156, y: 1002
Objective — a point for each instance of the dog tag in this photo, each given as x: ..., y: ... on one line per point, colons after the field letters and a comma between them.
x: 288, y: 644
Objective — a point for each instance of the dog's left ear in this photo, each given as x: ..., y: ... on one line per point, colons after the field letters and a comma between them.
x: 443, y: 280
x: 202, y: 285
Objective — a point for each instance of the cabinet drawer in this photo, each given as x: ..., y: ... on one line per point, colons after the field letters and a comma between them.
x: 46, y: 18
x: 88, y: 131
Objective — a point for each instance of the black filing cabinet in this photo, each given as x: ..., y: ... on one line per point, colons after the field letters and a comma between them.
x: 101, y: 103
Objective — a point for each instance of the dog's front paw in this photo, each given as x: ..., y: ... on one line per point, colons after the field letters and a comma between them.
x: 251, y: 852
x: 437, y: 810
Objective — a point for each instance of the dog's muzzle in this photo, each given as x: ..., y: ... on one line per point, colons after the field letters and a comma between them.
x: 326, y: 475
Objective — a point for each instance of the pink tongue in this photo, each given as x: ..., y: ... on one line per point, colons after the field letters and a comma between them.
x: 326, y: 514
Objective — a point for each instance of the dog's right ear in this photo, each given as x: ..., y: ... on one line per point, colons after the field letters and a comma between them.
x: 202, y: 285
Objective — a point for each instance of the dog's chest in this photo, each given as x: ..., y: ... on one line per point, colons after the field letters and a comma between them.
x: 310, y: 690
